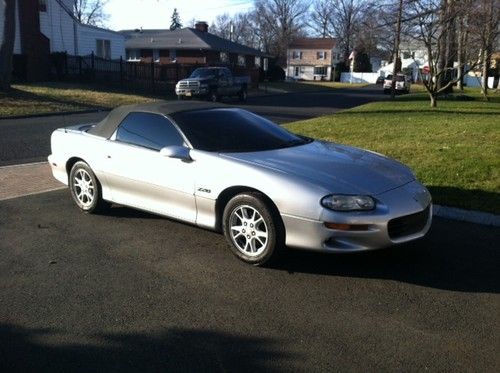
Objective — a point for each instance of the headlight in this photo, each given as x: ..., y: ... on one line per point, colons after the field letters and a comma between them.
x: 339, y: 202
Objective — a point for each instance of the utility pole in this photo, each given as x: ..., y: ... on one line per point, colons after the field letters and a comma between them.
x: 396, y: 48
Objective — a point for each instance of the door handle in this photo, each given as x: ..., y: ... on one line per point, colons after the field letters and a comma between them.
x: 109, y: 157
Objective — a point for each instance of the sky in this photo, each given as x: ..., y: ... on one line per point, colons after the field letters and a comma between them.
x: 131, y: 14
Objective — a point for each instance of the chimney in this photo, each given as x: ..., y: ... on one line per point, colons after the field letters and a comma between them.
x: 201, y: 26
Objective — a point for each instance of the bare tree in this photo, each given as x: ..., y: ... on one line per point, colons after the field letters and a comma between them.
x: 320, y: 17
x: 279, y: 22
x: 90, y: 12
x: 433, y: 22
x: 345, y: 20
x: 397, y: 40
x: 485, y: 26
x: 7, y: 46
x: 222, y: 26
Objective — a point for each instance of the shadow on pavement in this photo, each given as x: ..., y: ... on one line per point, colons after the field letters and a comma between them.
x: 172, y: 350
x: 453, y: 256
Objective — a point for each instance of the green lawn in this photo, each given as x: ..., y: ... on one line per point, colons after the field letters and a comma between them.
x: 305, y: 86
x: 454, y: 149
x: 42, y: 98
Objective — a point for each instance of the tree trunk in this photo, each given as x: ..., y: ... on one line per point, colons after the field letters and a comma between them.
x: 460, y: 55
x: 7, y: 46
x: 433, y: 100
x: 484, y: 78
x: 396, y: 49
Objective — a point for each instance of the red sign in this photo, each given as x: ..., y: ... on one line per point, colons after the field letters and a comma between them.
x: 426, y: 70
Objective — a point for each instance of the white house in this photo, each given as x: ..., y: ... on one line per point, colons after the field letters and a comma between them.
x: 49, y: 26
x: 413, y: 59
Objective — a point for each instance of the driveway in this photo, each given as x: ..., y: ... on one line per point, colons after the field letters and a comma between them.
x: 28, y: 140
x: 130, y: 291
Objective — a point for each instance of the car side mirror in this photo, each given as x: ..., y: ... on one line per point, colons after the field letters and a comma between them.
x: 175, y: 151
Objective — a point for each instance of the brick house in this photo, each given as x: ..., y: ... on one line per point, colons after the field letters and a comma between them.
x: 189, y: 46
x: 44, y: 27
x: 312, y: 59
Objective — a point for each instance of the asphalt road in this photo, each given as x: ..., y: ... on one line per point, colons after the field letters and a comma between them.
x: 130, y: 291
x: 28, y: 140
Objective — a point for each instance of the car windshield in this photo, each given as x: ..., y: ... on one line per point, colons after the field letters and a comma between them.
x: 233, y: 130
x: 399, y: 78
x: 203, y: 73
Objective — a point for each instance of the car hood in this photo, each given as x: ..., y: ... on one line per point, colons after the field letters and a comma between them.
x: 337, y: 168
x: 201, y: 80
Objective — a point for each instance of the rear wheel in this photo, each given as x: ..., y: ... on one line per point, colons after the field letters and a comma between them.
x: 85, y: 188
x: 254, y: 231
x: 243, y: 95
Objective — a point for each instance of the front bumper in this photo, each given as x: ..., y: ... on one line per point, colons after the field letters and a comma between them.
x: 402, y: 215
x: 188, y: 92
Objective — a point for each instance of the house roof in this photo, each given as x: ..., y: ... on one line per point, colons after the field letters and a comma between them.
x: 185, y: 38
x: 313, y: 43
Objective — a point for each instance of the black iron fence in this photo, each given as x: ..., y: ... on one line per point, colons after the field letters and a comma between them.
x: 152, y: 77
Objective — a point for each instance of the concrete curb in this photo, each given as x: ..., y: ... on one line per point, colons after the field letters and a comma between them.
x: 55, y: 114
x: 469, y: 216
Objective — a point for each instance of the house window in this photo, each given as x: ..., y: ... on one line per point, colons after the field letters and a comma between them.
x: 133, y: 55
x: 241, y: 60
x: 156, y: 55
x: 320, y: 70
x: 172, y: 54
x: 297, y: 55
x: 321, y: 55
x: 224, y: 57
x: 103, y: 48
x: 257, y: 62
x: 42, y: 5
x: 296, y: 71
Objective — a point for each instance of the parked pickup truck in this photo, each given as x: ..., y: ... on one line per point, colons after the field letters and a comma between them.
x: 212, y: 83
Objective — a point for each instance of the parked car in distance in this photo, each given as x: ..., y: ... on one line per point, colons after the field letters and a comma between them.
x: 230, y: 170
x: 212, y: 83
x: 403, y: 84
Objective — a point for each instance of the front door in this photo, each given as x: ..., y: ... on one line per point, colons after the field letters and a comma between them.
x: 139, y: 176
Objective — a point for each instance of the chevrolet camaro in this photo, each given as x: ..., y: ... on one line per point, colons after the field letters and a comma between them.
x: 230, y: 170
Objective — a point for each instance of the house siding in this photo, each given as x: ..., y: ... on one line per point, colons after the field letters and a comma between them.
x: 307, y: 61
x: 88, y: 36
x: 57, y: 25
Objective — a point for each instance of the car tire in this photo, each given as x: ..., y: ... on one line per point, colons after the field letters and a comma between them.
x: 243, y: 95
x: 86, y: 189
x: 212, y: 96
x: 253, y: 229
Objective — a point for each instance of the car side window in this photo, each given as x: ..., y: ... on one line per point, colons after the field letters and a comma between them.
x: 148, y: 130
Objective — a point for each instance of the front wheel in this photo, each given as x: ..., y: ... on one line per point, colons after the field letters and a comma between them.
x: 85, y: 188
x: 254, y: 231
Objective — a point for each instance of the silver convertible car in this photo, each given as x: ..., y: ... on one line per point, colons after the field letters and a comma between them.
x: 228, y: 169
